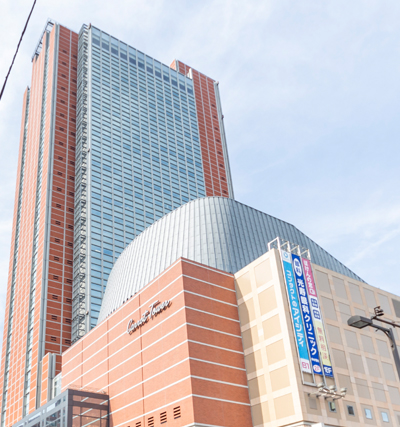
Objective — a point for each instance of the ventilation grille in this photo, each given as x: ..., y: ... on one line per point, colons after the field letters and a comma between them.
x: 177, y: 412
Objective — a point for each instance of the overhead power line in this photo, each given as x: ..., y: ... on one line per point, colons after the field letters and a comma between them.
x: 15, y: 54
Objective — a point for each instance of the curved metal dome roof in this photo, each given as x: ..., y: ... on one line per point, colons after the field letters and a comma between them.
x: 215, y: 231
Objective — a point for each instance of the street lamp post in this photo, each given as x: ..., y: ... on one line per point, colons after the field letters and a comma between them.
x: 361, y: 322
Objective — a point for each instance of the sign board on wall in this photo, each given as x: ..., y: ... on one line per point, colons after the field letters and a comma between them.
x: 295, y: 308
x: 155, y: 309
x: 317, y: 318
x: 306, y: 313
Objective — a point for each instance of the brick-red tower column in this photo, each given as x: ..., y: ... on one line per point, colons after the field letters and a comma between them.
x: 217, y: 175
x: 38, y: 308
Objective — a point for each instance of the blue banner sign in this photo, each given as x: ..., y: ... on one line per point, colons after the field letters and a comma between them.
x: 295, y: 311
x: 307, y: 316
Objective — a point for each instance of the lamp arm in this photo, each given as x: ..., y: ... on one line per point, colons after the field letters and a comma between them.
x: 385, y: 321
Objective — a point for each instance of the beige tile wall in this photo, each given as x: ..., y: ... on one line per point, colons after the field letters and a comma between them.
x: 272, y: 376
x: 362, y: 360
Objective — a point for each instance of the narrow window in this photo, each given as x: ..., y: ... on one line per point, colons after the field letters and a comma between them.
x: 385, y: 417
x: 368, y: 414
x: 350, y: 410
x: 332, y: 406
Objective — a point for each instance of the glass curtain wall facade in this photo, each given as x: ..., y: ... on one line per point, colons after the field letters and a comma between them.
x: 72, y: 408
x: 144, y: 157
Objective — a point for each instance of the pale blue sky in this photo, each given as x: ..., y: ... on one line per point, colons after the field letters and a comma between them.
x: 310, y: 92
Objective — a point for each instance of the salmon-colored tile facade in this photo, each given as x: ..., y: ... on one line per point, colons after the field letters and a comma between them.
x: 45, y: 378
x: 47, y: 195
x: 185, y: 365
x: 212, y: 151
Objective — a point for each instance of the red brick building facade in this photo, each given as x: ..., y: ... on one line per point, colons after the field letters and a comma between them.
x: 184, y: 366
x: 212, y: 134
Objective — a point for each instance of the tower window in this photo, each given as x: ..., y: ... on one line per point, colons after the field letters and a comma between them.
x: 350, y: 410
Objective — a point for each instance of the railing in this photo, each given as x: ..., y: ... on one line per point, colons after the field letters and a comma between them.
x: 80, y: 220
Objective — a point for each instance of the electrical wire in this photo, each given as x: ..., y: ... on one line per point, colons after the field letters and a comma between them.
x: 15, y: 55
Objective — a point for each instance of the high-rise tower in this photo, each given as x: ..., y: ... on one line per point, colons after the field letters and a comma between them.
x: 149, y: 139
x: 111, y: 140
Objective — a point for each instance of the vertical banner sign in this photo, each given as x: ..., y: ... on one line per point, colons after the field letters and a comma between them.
x: 305, y: 311
x: 295, y: 311
x: 316, y: 315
